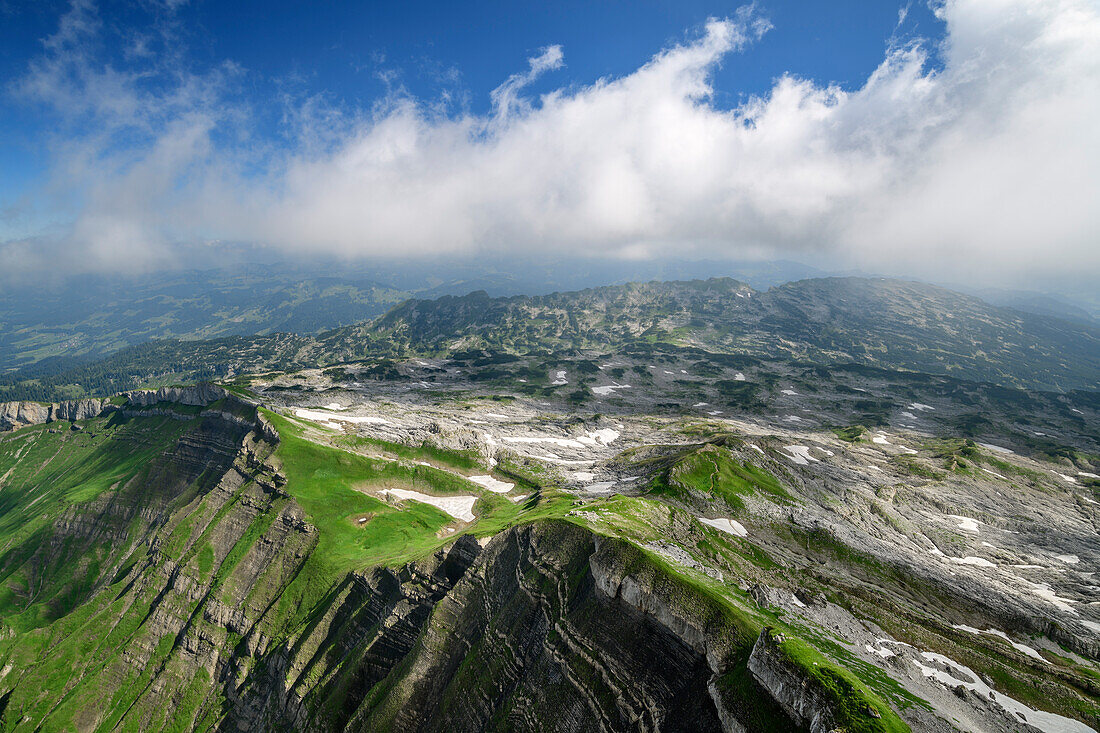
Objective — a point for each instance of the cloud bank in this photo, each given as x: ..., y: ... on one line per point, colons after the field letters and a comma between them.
x: 985, y: 164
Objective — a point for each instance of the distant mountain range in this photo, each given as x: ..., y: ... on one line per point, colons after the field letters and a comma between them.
x: 93, y: 316
x: 890, y: 324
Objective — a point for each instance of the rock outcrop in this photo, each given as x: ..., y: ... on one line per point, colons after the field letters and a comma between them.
x: 531, y: 628
x: 20, y: 414
x: 198, y: 395
x: 805, y: 701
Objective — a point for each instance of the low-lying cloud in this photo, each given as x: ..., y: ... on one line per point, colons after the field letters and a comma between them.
x: 986, y: 164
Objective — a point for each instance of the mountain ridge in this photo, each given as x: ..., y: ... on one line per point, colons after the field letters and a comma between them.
x: 894, y: 324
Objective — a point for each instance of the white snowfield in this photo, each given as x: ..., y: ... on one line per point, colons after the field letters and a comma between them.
x: 1044, y: 591
x: 329, y: 417
x: 966, y: 524
x: 492, y: 484
x: 1002, y: 635
x: 980, y: 562
x: 957, y: 674
x: 800, y: 454
x: 604, y: 436
x: 729, y: 526
x: 459, y: 507
x: 608, y: 389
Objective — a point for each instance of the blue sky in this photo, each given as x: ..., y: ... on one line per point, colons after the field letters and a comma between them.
x: 356, y: 52
x: 894, y: 137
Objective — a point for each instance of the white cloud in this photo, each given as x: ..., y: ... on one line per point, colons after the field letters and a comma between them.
x: 989, y: 165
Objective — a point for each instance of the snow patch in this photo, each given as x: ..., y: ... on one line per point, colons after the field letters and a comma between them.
x: 330, y: 417
x: 1024, y: 648
x: 729, y: 526
x: 1044, y: 591
x: 966, y: 524
x: 608, y: 389
x: 980, y: 562
x: 1048, y: 722
x: 492, y: 484
x: 591, y: 438
x: 459, y: 507
x: 800, y: 454
x: 881, y: 651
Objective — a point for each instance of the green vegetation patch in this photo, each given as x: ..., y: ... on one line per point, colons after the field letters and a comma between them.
x: 713, y: 471
x: 853, y: 700
x: 851, y: 433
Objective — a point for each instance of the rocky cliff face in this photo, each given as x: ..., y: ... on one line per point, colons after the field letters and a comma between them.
x: 550, y: 631
x: 20, y: 414
x: 798, y: 695
x: 198, y: 395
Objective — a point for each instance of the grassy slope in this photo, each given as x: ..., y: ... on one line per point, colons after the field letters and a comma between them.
x: 330, y: 484
x: 60, y: 638
x: 48, y: 470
